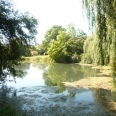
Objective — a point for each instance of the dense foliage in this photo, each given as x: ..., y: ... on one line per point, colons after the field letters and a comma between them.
x: 17, y: 32
x: 58, y: 50
x: 64, y: 45
x: 40, y: 49
x: 102, y: 20
x: 67, y: 47
x: 89, y: 51
x: 75, y: 33
x: 50, y: 35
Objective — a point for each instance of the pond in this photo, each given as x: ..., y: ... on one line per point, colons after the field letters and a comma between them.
x: 50, y: 75
x: 41, y: 92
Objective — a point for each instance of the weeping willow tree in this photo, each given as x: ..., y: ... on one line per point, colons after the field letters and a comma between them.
x: 102, y: 21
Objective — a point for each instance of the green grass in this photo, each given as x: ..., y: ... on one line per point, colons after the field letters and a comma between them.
x: 39, y: 58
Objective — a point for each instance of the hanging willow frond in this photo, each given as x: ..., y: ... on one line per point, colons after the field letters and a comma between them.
x: 101, y: 15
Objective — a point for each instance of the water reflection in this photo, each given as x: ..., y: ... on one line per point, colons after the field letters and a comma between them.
x: 17, y: 73
x: 45, y: 80
x: 50, y: 75
x: 34, y: 99
x: 6, y: 72
x: 33, y: 77
x: 105, y: 97
x: 58, y: 73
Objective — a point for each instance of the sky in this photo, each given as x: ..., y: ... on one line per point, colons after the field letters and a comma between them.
x: 53, y: 12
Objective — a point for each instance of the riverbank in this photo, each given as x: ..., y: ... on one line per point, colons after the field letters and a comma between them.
x: 102, y: 80
x: 92, y: 82
x: 39, y: 58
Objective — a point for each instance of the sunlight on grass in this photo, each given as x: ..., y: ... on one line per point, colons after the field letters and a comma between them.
x: 39, y: 58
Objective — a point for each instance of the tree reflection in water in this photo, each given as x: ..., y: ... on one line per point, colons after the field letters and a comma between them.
x: 8, y: 96
x: 54, y: 75
x: 58, y: 73
x: 17, y: 71
x: 105, y: 97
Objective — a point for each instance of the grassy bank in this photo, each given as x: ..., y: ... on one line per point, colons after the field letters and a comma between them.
x: 39, y: 58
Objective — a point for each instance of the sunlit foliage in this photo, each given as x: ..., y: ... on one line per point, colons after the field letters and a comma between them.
x: 75, y: 33
x: 50, y: 35
x: 102, y: 20
x: 64, y: 45
x: 65, y: 49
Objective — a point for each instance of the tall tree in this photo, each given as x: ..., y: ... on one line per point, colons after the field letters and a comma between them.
x: 16, y: 30
x: 80, y: 34
x: 75, y: 33
x: 64, y: 48
x: 51, y: 34
x: 71, y: 30
x: 102, y: 20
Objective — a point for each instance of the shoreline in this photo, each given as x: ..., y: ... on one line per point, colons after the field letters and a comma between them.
x: 102, y: 80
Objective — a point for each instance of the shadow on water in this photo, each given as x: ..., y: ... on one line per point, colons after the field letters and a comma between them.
x: 106, y: 98
x: 9, y: 105
x: 13, y: 71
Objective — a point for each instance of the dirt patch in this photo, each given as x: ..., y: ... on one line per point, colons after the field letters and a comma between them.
x: 102, y: 80
x: 92, y: 82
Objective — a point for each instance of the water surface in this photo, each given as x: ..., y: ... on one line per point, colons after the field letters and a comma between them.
x: 50, y: 75
x: 41, y: 91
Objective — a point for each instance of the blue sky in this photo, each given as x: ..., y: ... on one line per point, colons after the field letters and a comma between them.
x: 53, y: 12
